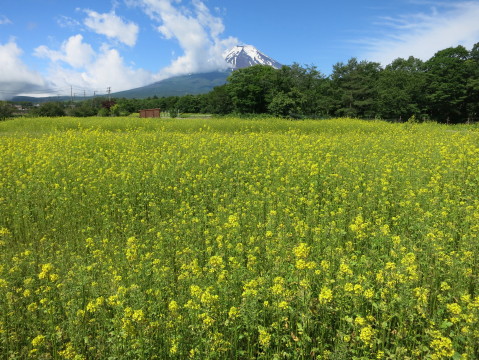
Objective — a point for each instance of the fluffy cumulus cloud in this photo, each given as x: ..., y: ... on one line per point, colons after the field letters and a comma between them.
x: 110, y: 69
x: 77, y: 64
x: 423, y: 34
x: 112, y: 26
x: 15, y: 76
x: 197, y: 31
x: 73, y: 52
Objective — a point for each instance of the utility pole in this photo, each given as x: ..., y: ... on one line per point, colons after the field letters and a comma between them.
x: 109, y: 91
x: 71, y: 94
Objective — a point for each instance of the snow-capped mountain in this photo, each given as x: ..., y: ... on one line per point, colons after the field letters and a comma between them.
x: 242, y: 56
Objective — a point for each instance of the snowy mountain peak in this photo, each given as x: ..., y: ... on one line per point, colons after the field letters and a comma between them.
x: 242, y: 56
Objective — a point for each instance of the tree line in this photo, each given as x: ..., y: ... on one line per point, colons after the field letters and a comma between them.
x: 444, y: 88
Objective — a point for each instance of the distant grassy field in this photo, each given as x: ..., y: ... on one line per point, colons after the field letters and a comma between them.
x: 128, y: 238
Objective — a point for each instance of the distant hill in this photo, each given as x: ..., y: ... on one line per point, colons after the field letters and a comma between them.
x: 191, y: 84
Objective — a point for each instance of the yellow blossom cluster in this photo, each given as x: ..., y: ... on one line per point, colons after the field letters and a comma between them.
x: 229, y: 238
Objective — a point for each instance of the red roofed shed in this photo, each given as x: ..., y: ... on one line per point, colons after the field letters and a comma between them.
x: 150, y: 113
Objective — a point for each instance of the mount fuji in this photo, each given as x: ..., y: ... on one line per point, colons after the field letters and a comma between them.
x: 242, y: 56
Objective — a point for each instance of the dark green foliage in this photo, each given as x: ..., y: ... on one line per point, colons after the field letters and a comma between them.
x: 401, y: 89
x: 219, y: 101
x: 448, y: 72
x: 286, y: 104
x: 189, y: 104
x: 6, y: 110
x: 103, y: 112
x: 304, y: 88
x: 354, y: 88
x: 251, y: 89
x: 473, y: 84
x: 86, y: 108
x: 50, y: 109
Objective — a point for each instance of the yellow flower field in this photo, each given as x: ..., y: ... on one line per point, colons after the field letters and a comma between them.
x: 238, y: 239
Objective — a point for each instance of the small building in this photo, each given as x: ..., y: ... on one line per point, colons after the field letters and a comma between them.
x: 150, y: 113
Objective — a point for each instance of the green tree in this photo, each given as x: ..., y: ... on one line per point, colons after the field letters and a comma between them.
x: 308, y: 81
x: 6, y: 110
x: 115, y: 110
x: 251, y: 89
x: 128, y: 106
x: 188, y: 104
x: 287, y: 104
x: 83, y: 109
x: 354, y: 88
x: 219, y: 101
x: 50, y: 109
x: 473, y: 84
x: 448, y: 76
x: 104, y: 112
x: 401, y: 88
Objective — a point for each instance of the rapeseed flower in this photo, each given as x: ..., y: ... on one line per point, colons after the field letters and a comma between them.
x: 326, y: 295
x: 264, y: 338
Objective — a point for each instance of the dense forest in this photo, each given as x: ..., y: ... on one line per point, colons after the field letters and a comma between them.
x: 444, y: 88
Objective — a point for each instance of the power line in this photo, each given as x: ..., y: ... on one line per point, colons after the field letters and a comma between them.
x: 63, y: 91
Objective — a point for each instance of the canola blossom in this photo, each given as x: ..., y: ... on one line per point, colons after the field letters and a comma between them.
x: 238, y: 239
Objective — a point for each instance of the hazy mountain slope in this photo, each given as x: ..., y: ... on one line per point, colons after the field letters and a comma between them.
x: 179, y: 85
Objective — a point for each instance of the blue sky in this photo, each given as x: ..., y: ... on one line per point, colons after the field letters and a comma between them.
x: 51, y: 46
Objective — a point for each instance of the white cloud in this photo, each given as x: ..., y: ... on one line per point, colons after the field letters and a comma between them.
x: 73, y: 52
x: 423, y: 34
x: 67, y: 22
x: 112, y: 26
x: 77, y: 63
x: 91, y: 69
x: 4, y: 20
x: 197, y: 31
x: 15, y: 76
x: 109, y: 69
